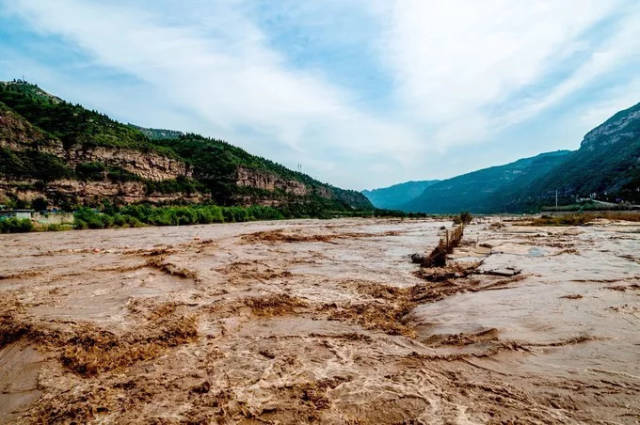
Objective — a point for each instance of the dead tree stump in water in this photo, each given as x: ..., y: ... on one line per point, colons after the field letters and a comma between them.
x: 438, y: 257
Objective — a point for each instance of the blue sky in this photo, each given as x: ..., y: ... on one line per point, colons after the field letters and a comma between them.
x: 362, y: 93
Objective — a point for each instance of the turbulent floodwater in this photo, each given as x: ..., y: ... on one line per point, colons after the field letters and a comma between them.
x: 321, y: 322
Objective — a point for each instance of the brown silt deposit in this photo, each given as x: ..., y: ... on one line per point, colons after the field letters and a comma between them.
x: 322, y: 321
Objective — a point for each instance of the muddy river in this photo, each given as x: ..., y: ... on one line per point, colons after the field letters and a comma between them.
x: 310, y: 321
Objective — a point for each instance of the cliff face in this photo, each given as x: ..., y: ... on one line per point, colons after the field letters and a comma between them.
x: 66, y: 153
x: 247, y: 177
x: 147, y: 165
x: 16, y: 130
x: 91, y: 192
x: 18, y: 134
x: 625, y: 125
x: 263, y: 180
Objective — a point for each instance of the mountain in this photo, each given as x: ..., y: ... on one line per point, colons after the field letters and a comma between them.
x: 74, y: 156
x: 607, y: 164
x: 394, y: 197
x: 483, y: 191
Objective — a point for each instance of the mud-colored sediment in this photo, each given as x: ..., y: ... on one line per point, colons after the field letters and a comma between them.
x: 295, y: 322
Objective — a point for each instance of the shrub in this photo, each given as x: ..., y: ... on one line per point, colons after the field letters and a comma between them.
x: 464, y: 217
x: 95, y: 223
x: 87, y: 217
x: 138, y: 215
x: 258, y: 212
x: 133, y: 222
x: 91, y: 170
x: 16, y: 225
x: 161, y: 217
x: 215, y: 213
x: 237, y: 214
x: 185, y: 215
x: 119, y: 220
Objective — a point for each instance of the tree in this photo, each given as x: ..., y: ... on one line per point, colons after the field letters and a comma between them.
x: 39, y: 204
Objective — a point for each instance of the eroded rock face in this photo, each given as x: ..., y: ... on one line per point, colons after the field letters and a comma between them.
x: 148, y: 165
x: 52, y: 147
x: 15, y: 128
x: 18, y: 134
x: 88, y: 192
x: 248, y: 177
x: 622, y: 126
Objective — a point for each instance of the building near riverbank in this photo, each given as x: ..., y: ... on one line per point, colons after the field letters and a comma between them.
x: 16, y: 213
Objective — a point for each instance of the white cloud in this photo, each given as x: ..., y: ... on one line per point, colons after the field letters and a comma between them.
x: 456, y: 61
x: 623, y: 47
x: 230, y: 81
x: 615, y: 100
x: 461, y: 72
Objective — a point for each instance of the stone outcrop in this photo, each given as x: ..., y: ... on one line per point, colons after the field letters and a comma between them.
x: 17, y: 130
x: 622, y: 126
x: 88, y: 192
x: 148, y: 165
x: 247, y: 177
x: 18, y: 134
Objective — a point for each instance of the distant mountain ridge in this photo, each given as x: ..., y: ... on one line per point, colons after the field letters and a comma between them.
x: 394, y: 197
x: 607, y: 165
x: 73, y: 156
x: 482, y: 191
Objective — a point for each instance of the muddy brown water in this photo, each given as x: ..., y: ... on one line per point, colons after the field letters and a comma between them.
x: 309, y: 321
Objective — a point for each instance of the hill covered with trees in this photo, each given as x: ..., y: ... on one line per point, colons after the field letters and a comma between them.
x: 485, y: 191
x: 605, y: 167
x: 72, y: 156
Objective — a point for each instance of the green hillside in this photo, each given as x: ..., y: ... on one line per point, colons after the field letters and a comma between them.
x: 607, y: 165
x: 72, y: 124
x: 485, y: 191
x: 158, y: 133
x: 43, y: 136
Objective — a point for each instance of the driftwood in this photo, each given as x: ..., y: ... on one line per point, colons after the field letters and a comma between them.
x: 438, y: 257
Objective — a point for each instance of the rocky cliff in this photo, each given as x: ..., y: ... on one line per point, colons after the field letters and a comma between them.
x: 50, y: 148
x: 67, y: 191
x: 247, y: 177
x: 625, y: 125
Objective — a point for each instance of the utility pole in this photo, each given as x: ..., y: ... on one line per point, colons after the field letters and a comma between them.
x: 556, y: 198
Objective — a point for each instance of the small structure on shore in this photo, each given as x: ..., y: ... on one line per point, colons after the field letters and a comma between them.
x: 16, y: 213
